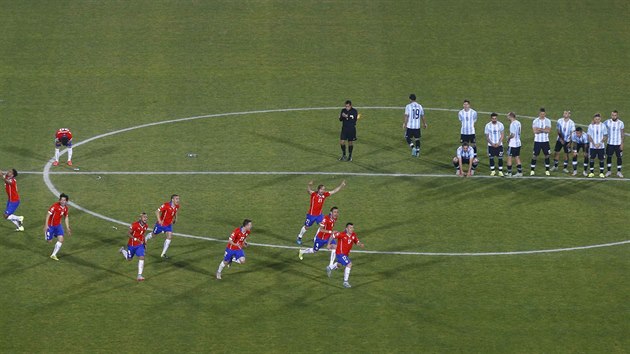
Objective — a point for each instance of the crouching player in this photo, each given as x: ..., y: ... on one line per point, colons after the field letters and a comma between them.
x: 345, y: 241
x: 324, y: 232
x: 63, y: 137
x: 136, y: 243
x: 465, y: 156
x: 236, y: 243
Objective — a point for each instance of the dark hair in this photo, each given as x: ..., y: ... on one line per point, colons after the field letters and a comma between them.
x: 578, y: 129
x: 333, y: 208
x: 64, y: 195
x: 615, y: 111
x: 597, y: 115
x: 467, y: 101
x: 542, y: 109
x: 64, y: 140
x: 245, y: 222
x: 493, y: 114
x: 512, y: 114
x: 14, y: 172
x: 349, y: 102
x: 465, y: 143
x: 348, y: 224
x: 412, y: 96
x: 320, y: 187
x: 174, y: 195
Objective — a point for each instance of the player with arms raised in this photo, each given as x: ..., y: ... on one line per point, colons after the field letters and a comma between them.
x: 324, y: 232
x: 314, y: 214
x: 345, y: 241
x: 236, y: 243
x: 136, y: 243
x: 53, y: 228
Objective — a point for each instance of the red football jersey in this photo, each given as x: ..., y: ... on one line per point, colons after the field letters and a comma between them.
x: 317, y: 203
x: 63, y: 132
x: 328, y: 225
x: 345, y: 242
x: 57, y: 212
x: 167, y: 213
x: 10, y: 184
x: 238, y: 237
x: 137, y: 231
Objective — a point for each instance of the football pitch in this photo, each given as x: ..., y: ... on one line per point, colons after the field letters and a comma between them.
x: 233, y: 105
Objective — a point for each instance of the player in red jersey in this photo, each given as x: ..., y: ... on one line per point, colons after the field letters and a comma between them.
x: 13, y: 199
x: 136, y: 243
x: 52, y: 227
x: 314, y: 214
x: 345, y: 241
x: 325, y: 230
x: 236, y: 243
x: 63, y: 137
x: 166, y: 217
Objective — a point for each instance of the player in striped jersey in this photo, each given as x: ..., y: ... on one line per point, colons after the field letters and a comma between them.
x: 597, y: 135
x: 468, y: 118
x: 514, y: 146
x: 465, y: 156
x: 494, y: 135
x: 579, y: 140
x: 414, y: 113
x: 541, y: 127
x: 615, y: 142
x: 565, y: 128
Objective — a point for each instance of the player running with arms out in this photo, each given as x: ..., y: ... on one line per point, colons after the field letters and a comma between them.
x: 314, y: 214
x: 324, y: 232
x: 166, y: 216
x: 414, y: 113
x: 345, y: 241
x: 63, y: 137
x: 13, y: 199
x: 52, y: 226
x: 136, y: 243
x: 236, y: 243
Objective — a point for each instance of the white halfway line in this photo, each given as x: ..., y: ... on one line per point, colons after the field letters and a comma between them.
x: 46, y: 176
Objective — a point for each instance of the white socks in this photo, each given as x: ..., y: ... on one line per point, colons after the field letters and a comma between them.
x: 167, y: 243
x: 308, y: 250
x: 57, y: 248
x: 69, y: 154
x: 221, y: 266
x: 124, y: 253
x: 140, y: 266
x: 148, y: 236
x: 302, y: 232
x: 14, y: 219
x: 57, y: 155
x: 333, y: 255
x: 346, y: 274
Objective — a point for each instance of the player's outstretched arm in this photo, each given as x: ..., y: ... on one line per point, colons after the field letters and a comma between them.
x: 343, y: 184
x: 309, y: 188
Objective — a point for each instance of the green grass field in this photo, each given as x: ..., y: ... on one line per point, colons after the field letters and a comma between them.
x: 104, y: 66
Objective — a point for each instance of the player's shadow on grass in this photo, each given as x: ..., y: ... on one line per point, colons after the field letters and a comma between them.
x: 391, y: 274
x: 25, y: 153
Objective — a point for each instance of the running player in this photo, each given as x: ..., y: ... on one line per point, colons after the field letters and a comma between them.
x: 494, y: 135
x: 166, y: 216
x: 314, y: 214
x: 413, y: 114
x: 53, y: 228
x: 615, y: 142
x: 13, y: 199
x: 597, y: 135
x: 514, y: 146
x: 326, y: 229
x: 565, y: 128
x: 236, y: 243
x: 63, y: 137
x: 345, y: 241
x: 136, y: 243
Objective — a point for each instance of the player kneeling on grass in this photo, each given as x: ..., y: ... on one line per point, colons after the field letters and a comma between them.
x: 236, y: 243
x: 324, y: 232
x: 465, y: 157
x: 345, y: 241
x: 136, y: 243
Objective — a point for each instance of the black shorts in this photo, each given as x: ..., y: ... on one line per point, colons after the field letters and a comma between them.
x: 469, y: 138
x: 597, y: 153
x: 514, y: 151
x: 614, y: 149
x: 348, y: 133
x: 413, y: 133
x: 580, y: 146
x: 560, y: 146
x: 495, y: 151
x: 541, y: 146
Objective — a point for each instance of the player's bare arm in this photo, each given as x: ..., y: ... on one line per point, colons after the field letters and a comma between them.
x: 46, y: 222
x: 343, y: 184
x: 157, y: 215
x: 68, y: 226
x: 405, y: 121
x: 309, y: 188
x: 424, y: 121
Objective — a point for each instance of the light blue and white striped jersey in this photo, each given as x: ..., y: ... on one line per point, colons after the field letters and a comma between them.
x: 565, y: 128
x: 465, y: 155
x: 493, y: 133
x: 415, y: 112
x: 541, y: 123
x: 468, y: 119
x: 596, y: 133
x: 579, y: 139
x: 614, y: 131
x: 515, y: 128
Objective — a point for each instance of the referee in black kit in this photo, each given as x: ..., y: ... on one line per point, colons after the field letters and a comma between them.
x: 348, y: 118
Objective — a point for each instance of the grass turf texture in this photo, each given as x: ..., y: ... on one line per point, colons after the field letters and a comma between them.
x: 98, y: 67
